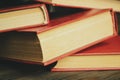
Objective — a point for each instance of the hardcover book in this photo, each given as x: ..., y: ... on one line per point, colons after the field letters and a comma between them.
x: 61, y: 37
x: 102, y: 56
x: 100, y: 4
x: 23, y: 16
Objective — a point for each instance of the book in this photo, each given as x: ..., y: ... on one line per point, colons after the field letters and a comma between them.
x: 101, y: 4
x: 102, y: 56
x: 23, y: 16
x: 60, y: 38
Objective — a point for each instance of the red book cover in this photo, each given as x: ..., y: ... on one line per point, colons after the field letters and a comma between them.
x: 108, y: 50
x: 23, y: 16
x: 63, y: 36
x: 114, y: 4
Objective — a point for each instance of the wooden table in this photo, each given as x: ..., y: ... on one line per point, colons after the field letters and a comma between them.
x: 19, y: 71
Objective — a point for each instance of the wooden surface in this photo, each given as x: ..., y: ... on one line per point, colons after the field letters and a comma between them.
x: 19, y: 71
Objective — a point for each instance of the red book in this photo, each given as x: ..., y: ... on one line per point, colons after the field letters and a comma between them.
x: 23, y: 16
x: 103, y: 4
x: 61, y: 37
x: 103, y: 56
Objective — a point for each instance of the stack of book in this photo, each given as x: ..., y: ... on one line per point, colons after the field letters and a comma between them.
x: 79, y: 35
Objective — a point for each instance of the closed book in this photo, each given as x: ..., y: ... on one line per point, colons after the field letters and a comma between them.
x: 61, y: 37
x: 102, y: 56
x: 24, y: 16
x: 100, y: 4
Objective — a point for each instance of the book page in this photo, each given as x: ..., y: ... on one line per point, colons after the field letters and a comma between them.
x: 79, y: 33
x: 21, y: 18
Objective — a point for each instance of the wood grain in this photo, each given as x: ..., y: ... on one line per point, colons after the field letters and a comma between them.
x: 18, y: 71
